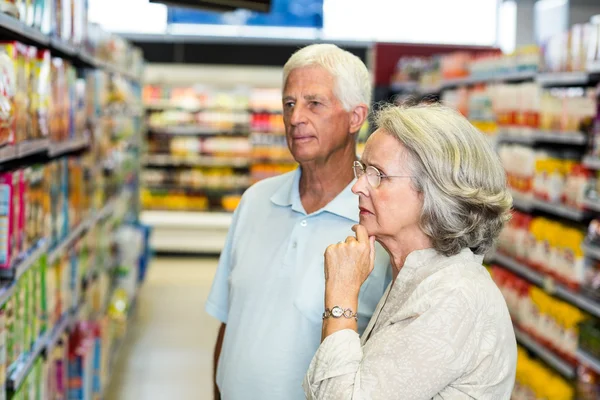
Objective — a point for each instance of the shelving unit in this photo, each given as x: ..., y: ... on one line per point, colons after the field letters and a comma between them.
x: 549, y: 357
x: 530, y: 204
x: 548, y: 284
x: 588, y: 360
x: 22, y: 369
x: 591, y: 162
x: 507, y: 77
x: 186, y: 231
x: 195, y: 173
x: 591, y: 250
x: 15, y: 29
x: 163, y: 160
x: 547, y: 79
x: 572, y: 138
x: 30, y: 263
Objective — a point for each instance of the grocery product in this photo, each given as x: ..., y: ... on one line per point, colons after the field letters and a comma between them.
x: 6, y: 220
x: 535, y: 381
x: 17, y: 53
x: 40, y: 94
x: 35, y: 206
x: 551, y: 247
x: 552, y: 322
x: 9, y: 7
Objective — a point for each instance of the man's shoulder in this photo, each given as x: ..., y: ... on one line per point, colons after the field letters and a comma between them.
x: 263, y: 190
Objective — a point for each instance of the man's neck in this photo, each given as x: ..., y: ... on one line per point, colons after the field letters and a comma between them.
x: 321, y: 182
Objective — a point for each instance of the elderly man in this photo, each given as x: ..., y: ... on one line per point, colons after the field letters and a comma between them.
x: 269, y: 287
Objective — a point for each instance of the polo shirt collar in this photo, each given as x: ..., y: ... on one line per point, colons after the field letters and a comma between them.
x: 345, y: 204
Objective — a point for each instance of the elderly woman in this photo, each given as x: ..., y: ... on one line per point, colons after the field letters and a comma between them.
x: 433, y: 192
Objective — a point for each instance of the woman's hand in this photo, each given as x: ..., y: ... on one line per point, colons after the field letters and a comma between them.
x: 348, y: 264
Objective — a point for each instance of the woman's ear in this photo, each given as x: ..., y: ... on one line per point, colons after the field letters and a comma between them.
x: 358, y: 117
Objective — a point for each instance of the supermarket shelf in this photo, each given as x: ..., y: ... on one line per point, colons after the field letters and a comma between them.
x: 70, y: 146
x: 563, y: 78
x: 68, y: 242
x: 6, y: 293
x: 8, y: 153
x: 404, y: 86
x: 20, y: 372
x: 33, y: 147
x: 429, y: 90
x: 200, y: 190
x: 560, y: 210
x: 196, y: 161
x: 522, y: 270
x: 62, y: 326
x: 187, y: 232
x: 591, y: 250
x: 591, y: 162
x: 548, y: 284
x: 199, y: 131
x: 40, y: 249
x: 589, y: 360
x: 217, y: 220
x: 510, y: 77
x: 593, y: 205
x: 62, y: 47
x: 16, y: 29
x: 17, y: 155
x: 24, y: 262
x: 575, y: 138
x: 521, y: 202
x: 567, y: 370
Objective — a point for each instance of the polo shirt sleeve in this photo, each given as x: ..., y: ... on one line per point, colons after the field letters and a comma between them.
x: 217, y: 304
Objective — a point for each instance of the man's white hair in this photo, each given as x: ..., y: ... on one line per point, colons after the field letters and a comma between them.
x: 352, y: 80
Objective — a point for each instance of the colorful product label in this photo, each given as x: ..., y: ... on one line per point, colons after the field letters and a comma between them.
x: 5, y: 220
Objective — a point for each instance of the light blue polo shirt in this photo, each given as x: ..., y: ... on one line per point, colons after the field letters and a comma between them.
x: 269, y: 288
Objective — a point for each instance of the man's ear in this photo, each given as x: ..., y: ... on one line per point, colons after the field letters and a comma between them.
x: 358, y: 117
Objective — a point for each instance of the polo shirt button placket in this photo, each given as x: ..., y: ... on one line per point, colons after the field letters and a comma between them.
x: 303, y: 223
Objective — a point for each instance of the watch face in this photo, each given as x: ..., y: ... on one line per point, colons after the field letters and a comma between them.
x: 337, y: 312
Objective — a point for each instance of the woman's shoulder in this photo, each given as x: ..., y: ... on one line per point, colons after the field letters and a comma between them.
x: 466, y: 280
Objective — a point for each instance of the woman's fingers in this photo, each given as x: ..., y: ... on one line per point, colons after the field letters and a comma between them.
x: 372, y: 245
x: 361, y: 233
x: 350, y: 239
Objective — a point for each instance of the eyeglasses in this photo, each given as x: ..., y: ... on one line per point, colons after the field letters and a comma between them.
x: 374, y: 176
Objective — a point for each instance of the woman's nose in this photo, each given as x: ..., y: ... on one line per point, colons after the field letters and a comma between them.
x: 360, y: 186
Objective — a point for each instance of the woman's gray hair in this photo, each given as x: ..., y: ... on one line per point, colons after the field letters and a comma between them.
x: 466, y: 201
x: 352, y: 80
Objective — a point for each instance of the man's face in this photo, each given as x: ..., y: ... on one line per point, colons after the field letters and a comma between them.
x: 316, y: 124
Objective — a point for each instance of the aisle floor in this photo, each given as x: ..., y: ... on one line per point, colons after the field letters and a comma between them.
x: 168, y: 349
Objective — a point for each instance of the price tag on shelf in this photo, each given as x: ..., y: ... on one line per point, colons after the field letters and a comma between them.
x: 549, y: 285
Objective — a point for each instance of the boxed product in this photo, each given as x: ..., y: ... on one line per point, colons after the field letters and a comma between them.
x: 535, y: 381
x: 41, y: 94
x: 59, y: 116
x: 9, y: 7
x: 18, y: 225
x: 19, y: 54
x: 35, y: 206
x: 6, y: 220
x: 8, y: 92
x: 76, y: 198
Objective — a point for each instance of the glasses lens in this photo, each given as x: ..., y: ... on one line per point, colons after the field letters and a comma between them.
x: 373, y: 177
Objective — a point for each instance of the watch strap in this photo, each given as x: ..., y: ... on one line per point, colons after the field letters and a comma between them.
x: 339, y: 312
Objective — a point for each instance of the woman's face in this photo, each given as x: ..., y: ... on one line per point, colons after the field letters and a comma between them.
x: 393, y: 208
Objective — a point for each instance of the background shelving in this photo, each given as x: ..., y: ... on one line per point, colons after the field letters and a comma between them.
x: 539, y: 107
x: 69, y: 181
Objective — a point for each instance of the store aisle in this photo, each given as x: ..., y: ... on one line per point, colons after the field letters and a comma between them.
x: 168, y: 352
